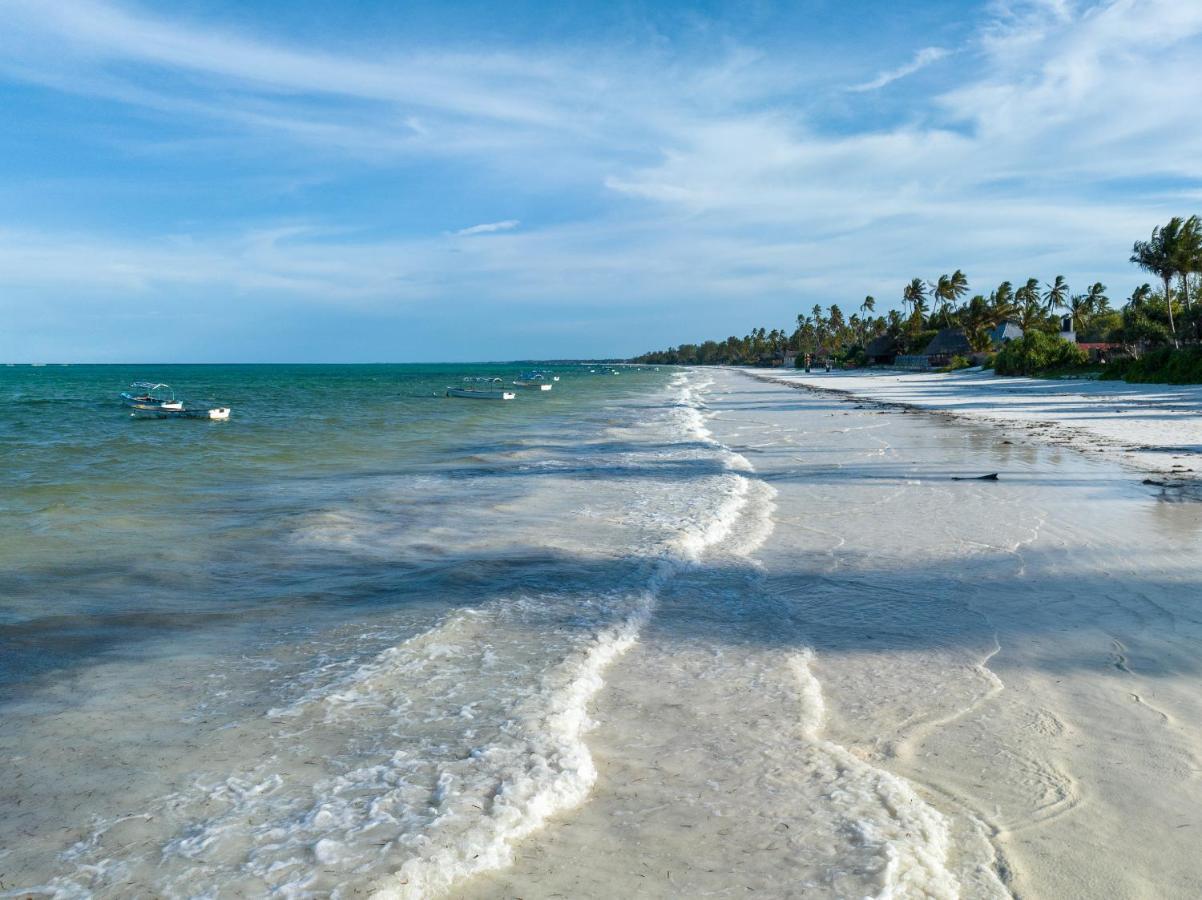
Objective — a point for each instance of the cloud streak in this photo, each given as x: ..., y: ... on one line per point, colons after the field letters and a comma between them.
x: 489, y: 227
x: 923, y: 58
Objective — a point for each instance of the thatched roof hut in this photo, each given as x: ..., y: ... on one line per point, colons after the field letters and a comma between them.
x: 948, y: 342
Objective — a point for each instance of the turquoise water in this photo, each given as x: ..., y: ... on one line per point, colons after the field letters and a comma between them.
x: 109, y: 517
x: 256, y: 655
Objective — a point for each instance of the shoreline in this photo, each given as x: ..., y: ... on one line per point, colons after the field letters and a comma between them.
x: 1179, y: 466
x: 895, y: 629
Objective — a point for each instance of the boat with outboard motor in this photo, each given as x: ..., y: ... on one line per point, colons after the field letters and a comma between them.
x: 157, y: 401
x: 493, y: 391
x: 533, y: 381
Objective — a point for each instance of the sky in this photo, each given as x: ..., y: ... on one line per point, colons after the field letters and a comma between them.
x: 374, y: 181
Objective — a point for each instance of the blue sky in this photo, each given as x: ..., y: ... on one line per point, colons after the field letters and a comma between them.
x: 382, y: 181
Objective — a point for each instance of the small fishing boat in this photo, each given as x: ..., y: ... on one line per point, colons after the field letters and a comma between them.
x: 532, y: 381
x: 157, y: 401
x: 493, y: 391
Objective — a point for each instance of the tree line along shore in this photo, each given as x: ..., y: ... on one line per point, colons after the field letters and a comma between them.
x: 1030, y: 328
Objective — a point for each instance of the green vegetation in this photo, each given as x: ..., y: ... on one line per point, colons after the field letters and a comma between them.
x: 1149, y: 322
x: 1036, y: 352
x: 1166, y: 365
x: 958, y: 362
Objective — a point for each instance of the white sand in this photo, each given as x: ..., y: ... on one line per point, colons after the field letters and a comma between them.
x: 912, y: 687
x: 1152, y: 427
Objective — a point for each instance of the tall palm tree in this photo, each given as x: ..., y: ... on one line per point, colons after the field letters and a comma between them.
x: 1030, y: 314
x: 941, y: 296
x: 1078, y: 308
x: 1028, y: 293
x: 1158, y: 255
x: 819, y: 325
x: 1056, y: 295
x: 1001, y: 303
x: 1187, y: 253
x: 1096, y: 298
x: 959, y: 285
x: 978, y: 321
x: 868, y: 306
x: 1140, y: 296
x: 915, y: 294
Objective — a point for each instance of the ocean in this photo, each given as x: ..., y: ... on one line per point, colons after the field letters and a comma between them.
x: 345, y: 641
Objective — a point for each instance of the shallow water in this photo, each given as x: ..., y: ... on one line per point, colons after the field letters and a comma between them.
x: 660, y: 634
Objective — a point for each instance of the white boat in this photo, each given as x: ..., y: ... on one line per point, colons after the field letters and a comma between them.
x: 481, y: 393
x: 532, y: 381
x: 157, y: 401
x: 493, y: 391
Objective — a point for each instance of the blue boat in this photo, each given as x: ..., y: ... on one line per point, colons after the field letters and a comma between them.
x: 157, y: 401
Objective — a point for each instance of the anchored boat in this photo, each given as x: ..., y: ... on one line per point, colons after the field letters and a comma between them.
x: 493, y: 390
x: 157, y: 401
x: 532, y: 381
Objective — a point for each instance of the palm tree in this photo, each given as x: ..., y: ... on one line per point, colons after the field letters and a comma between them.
x: 1001, y: 303
x: 819, y: 325
x: 837, y: 326
x: 978, y: 319
x: 1028, y: 294
x: 1158, y: 255
x: 941, y: 295
x: 959, y: 285
x: 868, y: 306
x: 1096, y: 298
x: 915, y: 294
x: 1140, y: 296
x: 1078, y: 307
x: 1056, y: 295
x: 1030, y: 315
x: 1187, y: 252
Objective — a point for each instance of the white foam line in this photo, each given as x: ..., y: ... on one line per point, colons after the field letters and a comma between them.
x: 916, y: 841
x: 562, y: 773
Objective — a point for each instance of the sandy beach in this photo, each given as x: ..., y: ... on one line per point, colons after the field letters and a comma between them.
x: 902, y: 685
x: 1151, y: 427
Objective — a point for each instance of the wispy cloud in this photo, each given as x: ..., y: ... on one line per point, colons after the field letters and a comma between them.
x: 489, y: 227
x: 921, y: 60
x: 1069, y: 131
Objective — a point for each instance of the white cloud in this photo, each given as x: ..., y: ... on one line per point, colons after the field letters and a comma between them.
x: 1030, y: 163
x: 922, y: 59
x: 489, y: 227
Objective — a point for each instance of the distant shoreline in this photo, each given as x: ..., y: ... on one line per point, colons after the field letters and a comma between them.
x: 1150, y: 428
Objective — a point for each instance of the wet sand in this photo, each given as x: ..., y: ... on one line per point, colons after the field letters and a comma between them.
x: 1151, y: 427
x: 891, y: 683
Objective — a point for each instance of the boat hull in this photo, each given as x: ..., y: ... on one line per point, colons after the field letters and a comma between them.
x: 150, y: 410
x: 477, y: 394
x: 532, y: 385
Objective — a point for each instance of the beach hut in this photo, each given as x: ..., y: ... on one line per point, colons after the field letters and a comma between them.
x: 881, y: 350
x: 948, y: 342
